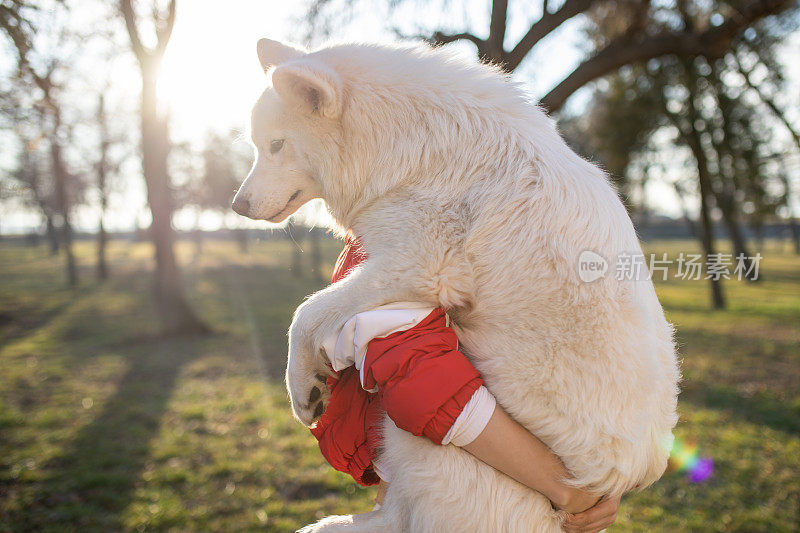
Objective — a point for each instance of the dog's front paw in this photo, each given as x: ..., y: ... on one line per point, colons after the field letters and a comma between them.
x: 308, y: 367
x: 308, y: 393
x: 306, y: 381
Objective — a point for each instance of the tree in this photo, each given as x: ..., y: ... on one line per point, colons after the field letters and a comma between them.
x: 676, y: 38
x: 633, y: 38
x: 765, y: 56
x: 104, y: 168
x: 40, y: 71
x: 29, y: 175
x: 689, y: 133
x: 174, y: 311
x: 730, y: 139
x: 211, y: 175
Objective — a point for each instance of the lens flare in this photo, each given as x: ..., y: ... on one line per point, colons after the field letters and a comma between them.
x: 684, y: 458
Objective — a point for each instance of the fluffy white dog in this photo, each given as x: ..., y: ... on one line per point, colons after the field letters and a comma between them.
x: 465, y: 196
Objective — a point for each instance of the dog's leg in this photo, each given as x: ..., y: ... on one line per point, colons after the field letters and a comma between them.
x: 325, y: 312
x: 360, y: 523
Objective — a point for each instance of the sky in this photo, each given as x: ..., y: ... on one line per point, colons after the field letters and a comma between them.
x: 211, y: 76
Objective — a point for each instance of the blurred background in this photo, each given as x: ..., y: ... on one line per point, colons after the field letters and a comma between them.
x: 142, y: 323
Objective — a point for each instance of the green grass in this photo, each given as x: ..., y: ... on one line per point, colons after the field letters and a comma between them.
x: 104, y: 426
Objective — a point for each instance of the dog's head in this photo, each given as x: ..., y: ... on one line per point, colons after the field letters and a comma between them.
x: 350, y: 123
x: 295, y: 131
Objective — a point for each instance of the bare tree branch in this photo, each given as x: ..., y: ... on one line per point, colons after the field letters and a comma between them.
x: 769, y: 102
x: 133, y: 31
x: 14, y: 26
x: 543, y: 27
x: 639, y: 18
x: 497, y: 29
x: 625, y: 50
x: 443, y: 38
x: 164, y: 29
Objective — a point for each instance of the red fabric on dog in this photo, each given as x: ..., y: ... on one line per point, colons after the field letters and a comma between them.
x: 423, y: 384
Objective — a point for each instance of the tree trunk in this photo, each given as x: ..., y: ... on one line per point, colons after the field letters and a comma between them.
x: 102, y: 178
x: 758, y: 230
x: 52, y: 234
x: 792, y: 221
x: 738, y: 242
x: 61, y: 177
x: 197, y: 236
x: 243, y: 237
x: 707, y: 237
x: 706, y: 225
x: 102, y: 239
x: 795, y: 234
x: 728, y: 181
x: 689, y: 222
x: 171, y: 304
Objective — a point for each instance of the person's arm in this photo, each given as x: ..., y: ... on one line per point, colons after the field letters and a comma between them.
x: 510, y: 448
x: 428, y: 387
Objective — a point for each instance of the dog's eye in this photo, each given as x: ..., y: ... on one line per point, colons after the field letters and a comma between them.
x: 275, y: 146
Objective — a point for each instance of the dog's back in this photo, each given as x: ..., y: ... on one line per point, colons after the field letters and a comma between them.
x: 590, y: 368
x: 507, y: 209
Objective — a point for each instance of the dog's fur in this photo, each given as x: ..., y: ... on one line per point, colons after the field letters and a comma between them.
x: 465, y: 196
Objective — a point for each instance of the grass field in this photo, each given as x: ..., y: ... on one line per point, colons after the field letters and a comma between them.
x: 106, y: 427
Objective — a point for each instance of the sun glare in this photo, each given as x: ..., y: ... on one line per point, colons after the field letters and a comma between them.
x: 206, y: 89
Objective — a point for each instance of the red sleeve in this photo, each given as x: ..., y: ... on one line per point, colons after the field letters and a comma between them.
x: 424, y: 384
x: 349, y: 430
x: 423, y: 380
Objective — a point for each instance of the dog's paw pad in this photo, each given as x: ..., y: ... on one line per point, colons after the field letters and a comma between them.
x: 318, y: 410
x: 315, y: 395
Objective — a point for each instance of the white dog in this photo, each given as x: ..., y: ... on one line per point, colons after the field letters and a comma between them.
x: 464, y: 196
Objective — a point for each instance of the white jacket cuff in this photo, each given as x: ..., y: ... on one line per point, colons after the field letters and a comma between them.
x: 473, y: 419
x: 348, y: 346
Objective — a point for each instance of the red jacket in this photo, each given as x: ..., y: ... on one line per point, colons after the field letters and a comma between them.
x: 423, y: 384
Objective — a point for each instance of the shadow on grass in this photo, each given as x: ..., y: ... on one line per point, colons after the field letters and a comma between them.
x: 755, y: 380
x: 761, y: 408
x: 262, y: 299
x: 18, y: 323
x: 92, y: 483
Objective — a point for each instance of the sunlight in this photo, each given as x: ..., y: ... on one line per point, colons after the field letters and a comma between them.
x: 205, y: 86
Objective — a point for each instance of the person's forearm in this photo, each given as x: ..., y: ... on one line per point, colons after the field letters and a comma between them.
x: 513, y: 450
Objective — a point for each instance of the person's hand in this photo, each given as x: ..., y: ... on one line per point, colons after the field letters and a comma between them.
x: 594, y: 519
x: 572, y: 499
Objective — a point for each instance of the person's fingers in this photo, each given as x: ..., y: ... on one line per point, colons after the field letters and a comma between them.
x: 578, y: 520
x: 577, y: 523
x: 589, y: 515
x: 591, y: 528
x: 594, y: 519
x: 606, y: 520
x: 582, y: 529
x: 605, y: 506
x: 601, y: 523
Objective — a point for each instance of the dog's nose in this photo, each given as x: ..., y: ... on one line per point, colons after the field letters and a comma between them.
x: 241, y: 205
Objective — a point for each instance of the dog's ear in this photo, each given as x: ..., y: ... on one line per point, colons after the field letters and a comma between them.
x: 273, y: 53
x: 311, y: 86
